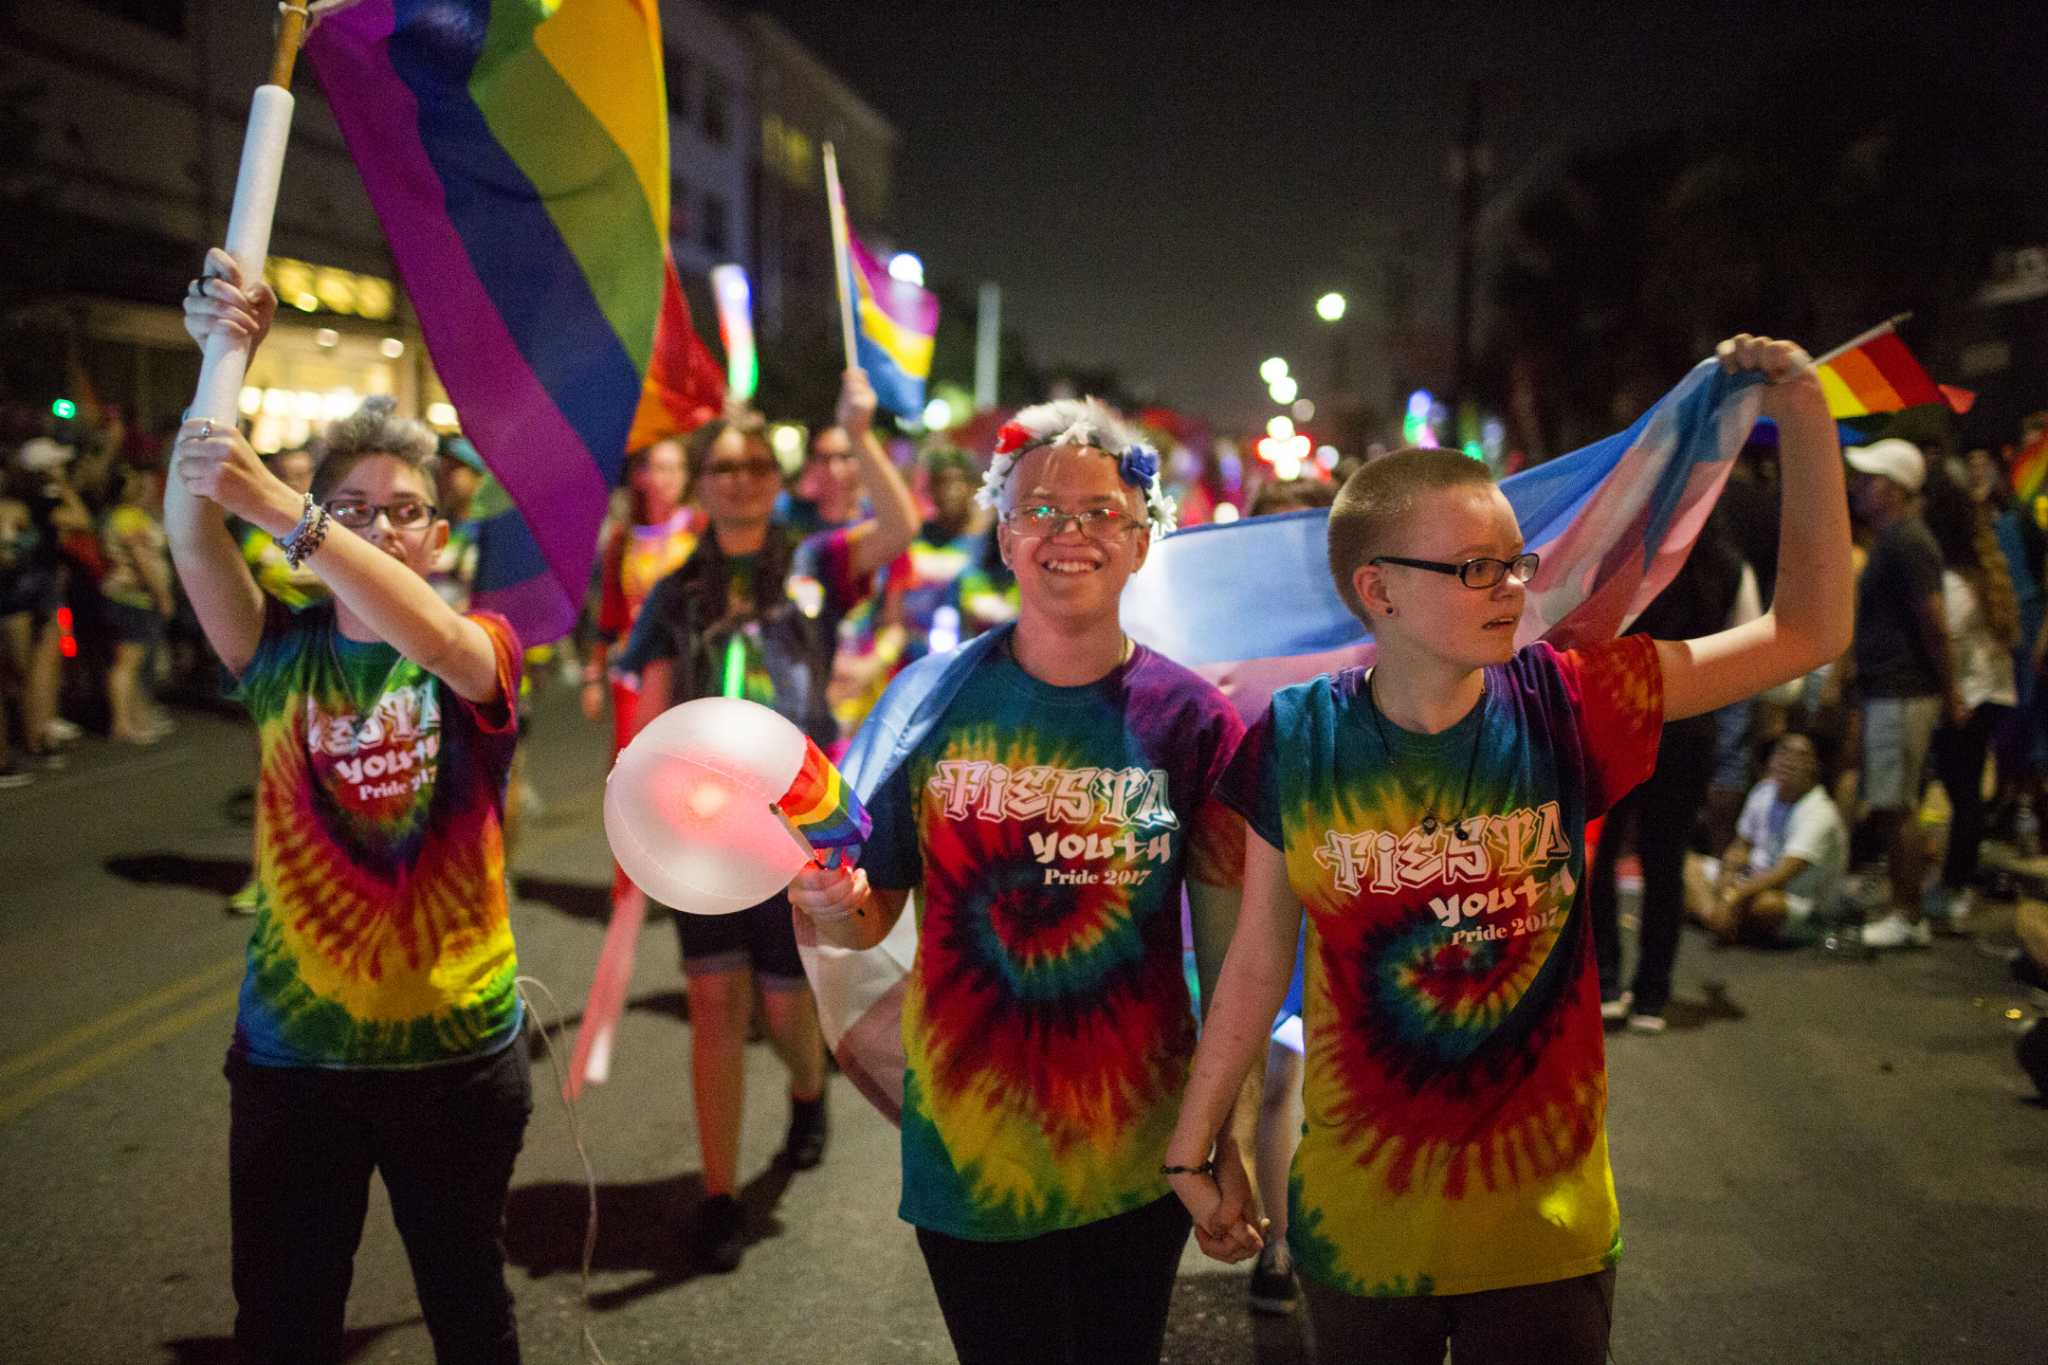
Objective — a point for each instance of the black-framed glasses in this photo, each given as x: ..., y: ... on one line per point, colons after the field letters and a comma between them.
x: 1473, y: 573
x: 407, y: 514
x: 1096, y: 523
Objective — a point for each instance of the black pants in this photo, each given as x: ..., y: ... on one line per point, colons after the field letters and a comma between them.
x: 1661, y: 812
x: 302, y: 1142
x: 1959, y: 762
x: 1565, y: 1322
x: 1096, y: 1294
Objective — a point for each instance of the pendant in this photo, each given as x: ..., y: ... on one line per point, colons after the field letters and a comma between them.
x: 1428, y: 825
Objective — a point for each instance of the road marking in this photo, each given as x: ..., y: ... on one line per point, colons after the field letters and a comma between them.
x: 113, y: 1019
x: 21, y: 1101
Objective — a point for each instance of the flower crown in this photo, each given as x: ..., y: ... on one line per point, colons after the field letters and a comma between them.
x: 1136, y: 463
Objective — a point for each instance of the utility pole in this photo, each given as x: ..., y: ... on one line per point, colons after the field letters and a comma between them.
x: 1469, y: 165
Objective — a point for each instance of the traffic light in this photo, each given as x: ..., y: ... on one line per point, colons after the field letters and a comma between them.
x: 63, y: 409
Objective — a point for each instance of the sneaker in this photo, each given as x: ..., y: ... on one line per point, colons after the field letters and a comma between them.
x: 13, y: 775
x: 1896, y: 931
x: 1617, y: 1010
x: 62, y: 731
x: 1646, y: 1023
x: 1273, y: 1289
x: 804, y: 1148
x: 721, y: 1239
x: 248, y: 900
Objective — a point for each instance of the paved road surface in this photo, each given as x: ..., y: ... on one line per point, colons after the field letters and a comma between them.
x: 1822, y: 1161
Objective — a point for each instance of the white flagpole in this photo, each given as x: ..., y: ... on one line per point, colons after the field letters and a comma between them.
x: 1891, y: 324
x: 249, y: 220
x: 841, y: 257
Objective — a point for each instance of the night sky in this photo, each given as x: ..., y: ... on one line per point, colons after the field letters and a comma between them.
x: 1167, y: 192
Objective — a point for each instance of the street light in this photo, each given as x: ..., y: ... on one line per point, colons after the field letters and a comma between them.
x: 1330, y: 307
x: 1280, y: 428
x: 1283, y: 390
x: 1273, y: 370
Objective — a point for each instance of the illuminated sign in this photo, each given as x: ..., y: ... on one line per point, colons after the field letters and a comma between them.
x: 329, y: 289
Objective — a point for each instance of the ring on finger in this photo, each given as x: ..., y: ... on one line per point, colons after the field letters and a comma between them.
x: 206, y: 431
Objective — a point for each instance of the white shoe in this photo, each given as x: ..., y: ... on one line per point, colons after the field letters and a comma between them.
x: 1896, y: 931
x: 1616, y: 1010
x: 61, y: 731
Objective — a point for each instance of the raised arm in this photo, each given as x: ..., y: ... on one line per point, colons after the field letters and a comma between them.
x: 223, y: 593
x: 889, y: 532
x: 386, y: 594
x: 1812, y: 611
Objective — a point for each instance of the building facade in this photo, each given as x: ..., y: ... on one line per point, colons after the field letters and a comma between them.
x: 126, y: 120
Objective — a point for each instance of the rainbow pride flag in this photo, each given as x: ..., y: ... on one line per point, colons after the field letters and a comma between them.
x: 894, y: 323
x: 821, y: 804
x: 516, y: 152
x: 1874, y: 373
x: 2030, y: 469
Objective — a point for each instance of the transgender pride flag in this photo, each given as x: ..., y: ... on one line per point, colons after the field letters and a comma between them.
x: 1250, y: 604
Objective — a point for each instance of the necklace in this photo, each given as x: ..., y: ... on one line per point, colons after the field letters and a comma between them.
x: 1429, y: 822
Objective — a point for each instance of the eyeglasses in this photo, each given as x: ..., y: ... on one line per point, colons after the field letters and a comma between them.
x: 733, y: 469
x: 1096, y: 523
x: 406, y: 514
x: 1473, y: 573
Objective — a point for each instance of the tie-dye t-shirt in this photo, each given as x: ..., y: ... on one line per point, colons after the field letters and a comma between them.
x: 383, y: 940
x: 1455, y: 1092
x: 1046, y: 1023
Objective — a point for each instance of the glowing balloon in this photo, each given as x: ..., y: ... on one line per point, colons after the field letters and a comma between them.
x: 690, y: 807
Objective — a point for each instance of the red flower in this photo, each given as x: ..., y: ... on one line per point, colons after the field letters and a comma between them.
x: 1011, y: 436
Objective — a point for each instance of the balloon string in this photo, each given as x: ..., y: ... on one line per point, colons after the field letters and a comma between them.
x: 520, y: 983
x: 735, y: 665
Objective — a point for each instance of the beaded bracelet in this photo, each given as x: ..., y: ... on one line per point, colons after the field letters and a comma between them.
x: 1206, y: 1168
x: 307, y: 536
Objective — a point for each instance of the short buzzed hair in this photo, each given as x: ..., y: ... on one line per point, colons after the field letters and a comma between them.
x: 1376, y: 500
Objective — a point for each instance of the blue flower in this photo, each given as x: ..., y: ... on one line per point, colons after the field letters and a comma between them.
x: 1138, y: 465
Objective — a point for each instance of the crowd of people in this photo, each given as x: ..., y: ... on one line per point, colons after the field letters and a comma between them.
x: 1066, y: 1124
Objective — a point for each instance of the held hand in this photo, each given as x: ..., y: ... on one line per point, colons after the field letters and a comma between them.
x: 830, y: 894
x: 1222, y: 1207
x: 218, y: 301
x: 1793, y: 389
x: 216, y: 463
x: 856, y: 404
x: 593, y: 699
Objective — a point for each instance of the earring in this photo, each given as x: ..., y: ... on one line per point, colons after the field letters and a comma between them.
x: 1390, y: 611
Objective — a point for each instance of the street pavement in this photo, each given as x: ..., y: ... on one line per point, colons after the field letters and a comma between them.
x: 1824, y: 1160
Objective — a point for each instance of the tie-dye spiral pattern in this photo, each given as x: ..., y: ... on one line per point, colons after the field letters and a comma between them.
x: 1046, y: 1022
x: 384, y: 940
x: 1456, y: 1085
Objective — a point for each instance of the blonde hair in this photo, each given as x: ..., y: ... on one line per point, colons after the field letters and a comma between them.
x: 1376, y: 500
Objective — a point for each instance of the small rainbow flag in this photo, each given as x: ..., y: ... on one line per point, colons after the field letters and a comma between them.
x: 894, y: 323
x: 516, y: 152
x: 821, y: 803
x: 1874, y: 373
x: 2030, y: 469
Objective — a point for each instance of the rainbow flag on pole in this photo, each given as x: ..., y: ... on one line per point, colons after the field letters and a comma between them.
x: 822, y: 806
x: 516, y: 152
x: 894, y: 323
x: 1875, y: 373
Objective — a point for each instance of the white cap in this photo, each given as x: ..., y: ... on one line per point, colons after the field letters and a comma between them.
x: 1894, y: 459
x: 42, y: 454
